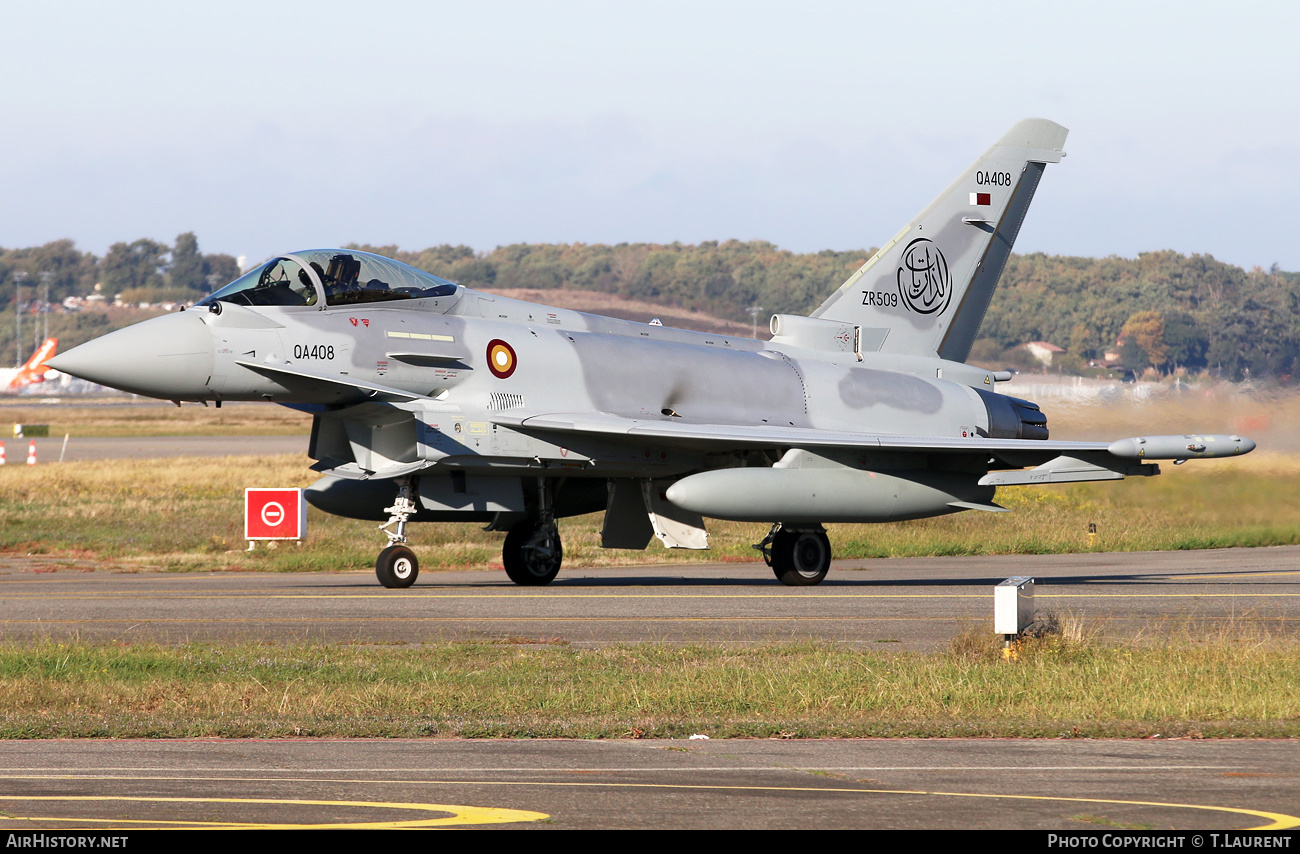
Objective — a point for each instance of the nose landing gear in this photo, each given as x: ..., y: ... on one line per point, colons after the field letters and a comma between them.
x: 397, y: 565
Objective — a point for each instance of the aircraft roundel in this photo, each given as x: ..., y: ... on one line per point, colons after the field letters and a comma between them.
x: 501, y: 358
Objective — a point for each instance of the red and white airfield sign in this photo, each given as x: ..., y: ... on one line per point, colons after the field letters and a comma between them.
x: 274, y: 514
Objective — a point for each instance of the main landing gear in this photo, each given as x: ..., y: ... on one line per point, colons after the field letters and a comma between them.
x: 396, y: 565
x: 800, y: 556
x: 533, y: 553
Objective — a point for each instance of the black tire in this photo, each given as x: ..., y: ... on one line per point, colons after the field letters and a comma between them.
x: 801, y: 558
x: 533, y: 553
x: 397, y: 566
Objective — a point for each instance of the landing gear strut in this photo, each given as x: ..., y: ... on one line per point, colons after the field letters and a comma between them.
x: 799, y: 556
x: 533, y: 553
x: 397, y: 565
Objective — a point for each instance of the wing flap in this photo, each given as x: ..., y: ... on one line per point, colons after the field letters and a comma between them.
x: 1072, y: 469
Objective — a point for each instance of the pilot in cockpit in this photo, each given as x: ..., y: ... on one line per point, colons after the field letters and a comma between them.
x: 307, y: 293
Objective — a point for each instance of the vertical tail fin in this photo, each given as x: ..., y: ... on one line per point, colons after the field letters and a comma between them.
x: 926, y: 291
x: 33, y: 370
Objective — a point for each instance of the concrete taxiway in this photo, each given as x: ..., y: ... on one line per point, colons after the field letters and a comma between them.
x: 911, y: 604
x: 1074, y: 785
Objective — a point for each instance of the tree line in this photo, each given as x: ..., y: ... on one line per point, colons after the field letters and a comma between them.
x: 1160, y: 310
x: 142, y: 271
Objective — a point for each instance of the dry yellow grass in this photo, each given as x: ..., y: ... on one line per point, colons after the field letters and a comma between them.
x: 1058, y: 685
x: 127, y: 416
x: 186, y: 513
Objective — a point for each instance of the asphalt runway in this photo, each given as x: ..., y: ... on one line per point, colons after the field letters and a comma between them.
x: 1080, y: 786
x: 915, y: 604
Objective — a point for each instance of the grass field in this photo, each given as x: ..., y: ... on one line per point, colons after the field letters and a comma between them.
x: 124, y: 416
x: 186, y: 513
x: 1063, y: 685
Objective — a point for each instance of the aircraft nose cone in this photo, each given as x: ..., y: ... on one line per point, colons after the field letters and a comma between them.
x: 168, y: 357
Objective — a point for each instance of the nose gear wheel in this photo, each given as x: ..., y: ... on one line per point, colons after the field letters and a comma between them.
x: 397, y: 567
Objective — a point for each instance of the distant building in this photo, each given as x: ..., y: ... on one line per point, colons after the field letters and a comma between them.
x: 1043, y: 351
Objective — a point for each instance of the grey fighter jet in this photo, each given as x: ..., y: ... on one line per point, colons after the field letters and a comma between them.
x: 434, y: 402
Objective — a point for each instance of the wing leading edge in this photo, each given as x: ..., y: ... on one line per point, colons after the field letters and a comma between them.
x: 1016, y: 452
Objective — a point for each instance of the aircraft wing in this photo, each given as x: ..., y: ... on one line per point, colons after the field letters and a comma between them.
x: 748, y: 436
x: 1014, y: 452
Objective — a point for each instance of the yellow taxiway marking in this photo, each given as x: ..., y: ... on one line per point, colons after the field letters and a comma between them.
x: 469, y: 619
x: 485, y: 815
x: 409, y: 594
x: 1279, y: 821
x: 781, y: 595
x: 459, y: 815
x: 149, y: 621
x: 1266, y: 573
x: 1201, y: 595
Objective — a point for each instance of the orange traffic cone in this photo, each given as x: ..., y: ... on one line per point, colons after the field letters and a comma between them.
x: 31, y: 453
x: 2, y: 453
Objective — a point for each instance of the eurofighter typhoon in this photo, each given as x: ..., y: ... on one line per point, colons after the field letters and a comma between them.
x: 434, y: 402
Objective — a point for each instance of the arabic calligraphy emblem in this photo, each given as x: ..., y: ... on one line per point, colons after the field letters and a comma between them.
x: 923, y: 280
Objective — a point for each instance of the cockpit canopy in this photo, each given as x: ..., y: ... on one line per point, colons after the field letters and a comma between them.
x: 342, y: 276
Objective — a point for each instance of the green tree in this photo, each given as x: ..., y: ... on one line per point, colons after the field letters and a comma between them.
x: 72, y: 271
x: 1133, y: 357
x: 133, y: 265
x: 1146, y: 330
x: 219, y: 270
x: 188, y: 268
x: 1185, y: 341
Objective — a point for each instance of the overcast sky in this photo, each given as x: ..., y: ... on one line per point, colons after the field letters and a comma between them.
x: 266, y: 127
